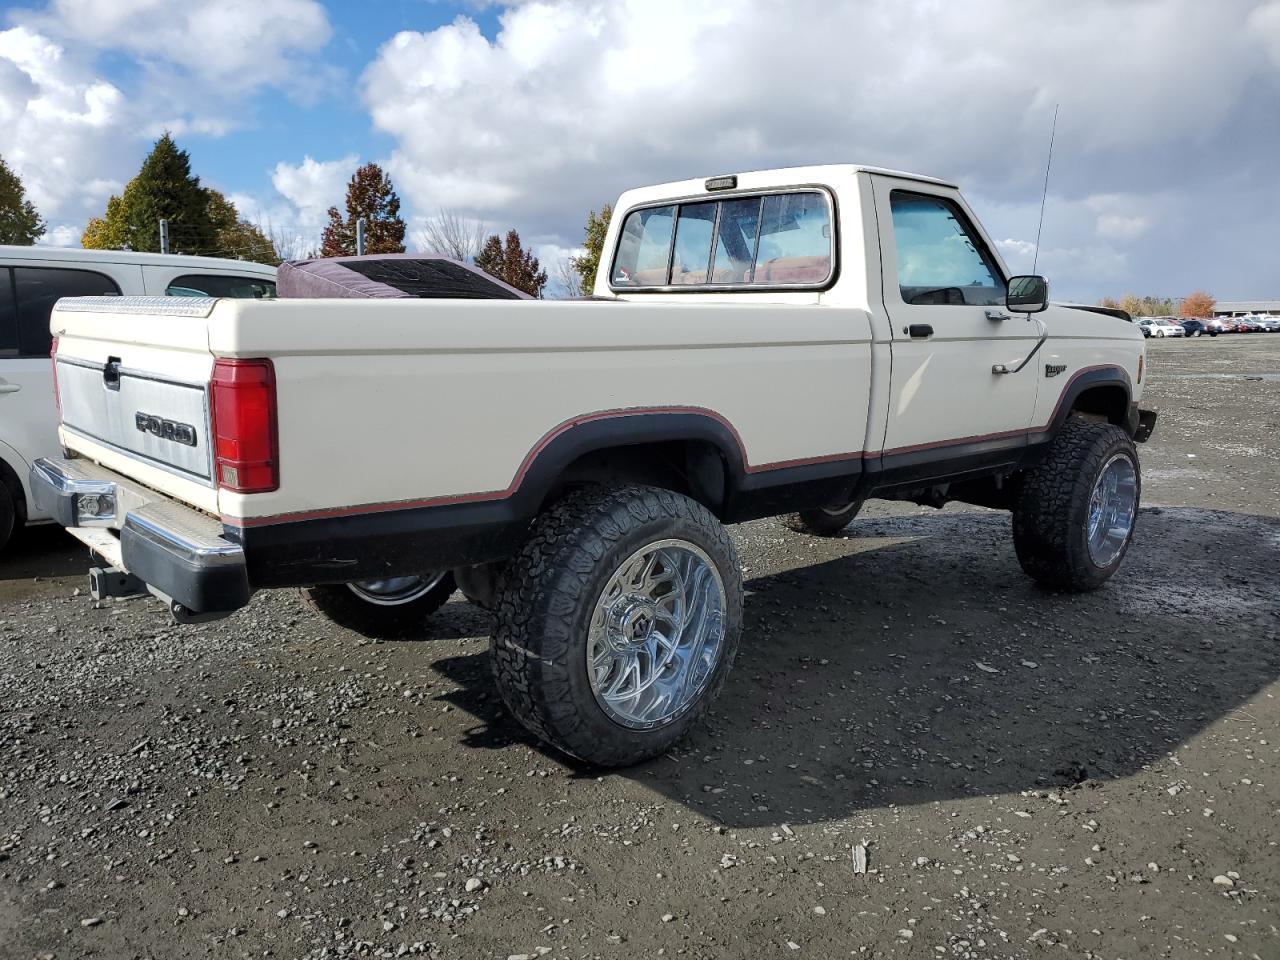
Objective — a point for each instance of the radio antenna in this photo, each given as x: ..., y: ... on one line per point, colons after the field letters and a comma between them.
x: 1045, y: 195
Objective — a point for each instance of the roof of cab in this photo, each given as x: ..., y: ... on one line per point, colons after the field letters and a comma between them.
x: 10, y: 254
x: 829, y: 173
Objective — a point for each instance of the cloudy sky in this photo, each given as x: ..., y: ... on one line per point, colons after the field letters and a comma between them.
x: 528, y: 114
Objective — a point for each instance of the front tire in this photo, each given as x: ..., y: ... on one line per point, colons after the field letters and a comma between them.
x: 618, y: 622
x: 1075, y: 514
x: 825, y: 521
x: 382, y: 609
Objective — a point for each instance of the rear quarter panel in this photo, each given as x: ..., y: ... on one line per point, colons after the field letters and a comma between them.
x: 407, y: 400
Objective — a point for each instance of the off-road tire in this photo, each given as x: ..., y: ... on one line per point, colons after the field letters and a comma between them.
x: 1051, y: 516
x: 336, y: 602
x: 824, y: 523
x: 548, y: 597
x: 8, y: 514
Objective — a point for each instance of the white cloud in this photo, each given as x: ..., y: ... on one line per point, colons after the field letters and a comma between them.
x: 234, y: 44
x: 60, y: 126
x: 75, y: 137
x: 312, y: 187
x: 574, y: 100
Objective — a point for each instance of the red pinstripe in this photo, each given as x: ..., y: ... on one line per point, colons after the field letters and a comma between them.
x: 556, y: 431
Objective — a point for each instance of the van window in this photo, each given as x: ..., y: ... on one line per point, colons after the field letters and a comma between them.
x: 214, y: 285
x: 8, y: 316
x: 780, y: 240
x: 38, y: 288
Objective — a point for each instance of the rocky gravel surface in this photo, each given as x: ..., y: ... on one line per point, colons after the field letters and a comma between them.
x: 919, y: 753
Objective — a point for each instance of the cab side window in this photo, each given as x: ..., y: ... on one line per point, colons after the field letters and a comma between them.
x: 37, y: 289
x: 217, y: 285
x: 940, y: 260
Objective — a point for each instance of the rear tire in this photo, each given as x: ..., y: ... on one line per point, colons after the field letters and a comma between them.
x: 381, y: 612
x: 618, y: 622
x: 825, y: 521
x: 1075, y: 514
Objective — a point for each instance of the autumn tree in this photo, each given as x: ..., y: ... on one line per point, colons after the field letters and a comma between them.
x: 512, y: 263
x: 450, y: 234
x: 164, y: 189
x: 588, y: 263
x: 19, y: 222
x: 1197, y: 304
x: 369, y: 195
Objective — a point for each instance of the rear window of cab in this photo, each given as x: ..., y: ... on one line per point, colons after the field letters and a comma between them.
x: 765, y: 241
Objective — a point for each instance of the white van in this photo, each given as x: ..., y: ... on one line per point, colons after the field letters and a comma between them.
x: 31, y: 280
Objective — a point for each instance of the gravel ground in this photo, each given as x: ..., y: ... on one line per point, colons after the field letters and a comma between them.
x: 1031, y: 775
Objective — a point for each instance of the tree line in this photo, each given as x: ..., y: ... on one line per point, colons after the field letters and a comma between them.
x: 1198, y: 303
x: 201, y: 221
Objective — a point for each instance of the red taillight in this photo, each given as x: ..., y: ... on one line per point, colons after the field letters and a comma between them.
x: 53, y: 359
x: 245, y: 448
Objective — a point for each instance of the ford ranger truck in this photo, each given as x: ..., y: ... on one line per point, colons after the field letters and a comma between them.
x: 780, y: 342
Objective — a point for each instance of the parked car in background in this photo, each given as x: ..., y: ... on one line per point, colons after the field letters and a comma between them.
x: 1264, y: 323
x: 1221, y: 325
x: 1197, y: 328
x: 32, y: 279
x: 1161, y: 327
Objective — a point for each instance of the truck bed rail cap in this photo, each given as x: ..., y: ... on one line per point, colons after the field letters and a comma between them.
x: 162, y: 306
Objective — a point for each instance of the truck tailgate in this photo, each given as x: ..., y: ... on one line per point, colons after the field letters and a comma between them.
x: 118, y: 409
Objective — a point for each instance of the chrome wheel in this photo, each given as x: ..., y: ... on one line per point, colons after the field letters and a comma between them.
x: 1112, y: 506
x: 656, y: 634
x: 393, y: 591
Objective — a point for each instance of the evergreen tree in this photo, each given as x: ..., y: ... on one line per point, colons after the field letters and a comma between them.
x: 19, y: 222
x: 512, y: 263
x: 589, y: 263
x: 369, y: 195
x: 164, y: 189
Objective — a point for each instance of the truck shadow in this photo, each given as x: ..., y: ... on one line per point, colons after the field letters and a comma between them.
x: 932, y: 669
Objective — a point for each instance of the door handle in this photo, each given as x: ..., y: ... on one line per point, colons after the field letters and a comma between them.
x: 9, y: 387
x: 918, y: 330
x: 996, y: 316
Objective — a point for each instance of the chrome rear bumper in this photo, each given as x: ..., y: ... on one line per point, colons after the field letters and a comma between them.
x: 181, y: 554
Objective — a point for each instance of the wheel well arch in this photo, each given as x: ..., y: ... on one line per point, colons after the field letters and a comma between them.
x: 1110, y: 400
x: 694, y: 453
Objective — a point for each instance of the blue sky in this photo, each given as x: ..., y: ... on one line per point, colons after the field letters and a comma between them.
x: 279, y: 125
x: 529, y: 113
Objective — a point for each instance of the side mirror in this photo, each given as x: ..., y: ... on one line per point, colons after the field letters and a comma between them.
x: 1027, y: 294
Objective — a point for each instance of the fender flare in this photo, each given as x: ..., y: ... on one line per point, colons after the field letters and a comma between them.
x: 1103, y: 375
x: 614, y: 429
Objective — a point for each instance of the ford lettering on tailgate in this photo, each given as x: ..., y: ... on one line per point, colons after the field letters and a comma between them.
x: 183, y: 433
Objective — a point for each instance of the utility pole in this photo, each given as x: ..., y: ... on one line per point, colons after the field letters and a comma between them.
x: 164, y: 235
x: 360, y: 224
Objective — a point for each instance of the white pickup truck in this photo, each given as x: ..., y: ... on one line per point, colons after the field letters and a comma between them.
x: 786, y: 341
